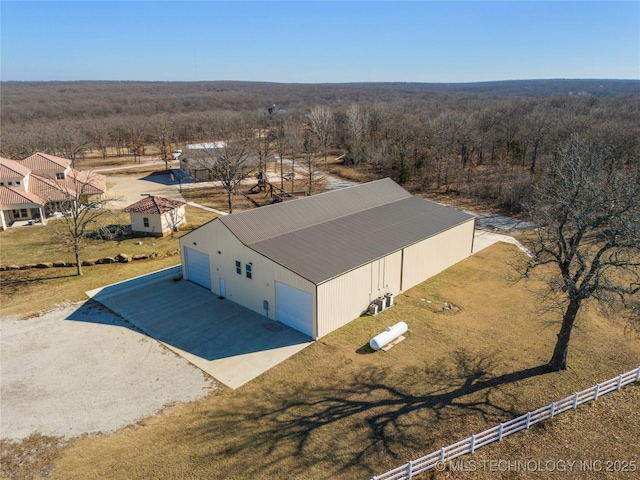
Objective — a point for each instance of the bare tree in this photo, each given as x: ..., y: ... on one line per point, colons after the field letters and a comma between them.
x: 232, y: 160
x: 262, y: 144
x: 320, y: 123
x: 309, y: 148
x: 83, y: 205
x: 587, y: 207
x: 357, y: 133
x: 97, y: 132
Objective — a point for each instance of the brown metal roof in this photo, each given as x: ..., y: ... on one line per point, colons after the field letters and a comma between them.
x: 275, y: 220
x: 323, y: 236
x: 153, y: 205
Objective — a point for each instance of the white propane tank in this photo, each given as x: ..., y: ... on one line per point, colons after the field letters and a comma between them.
x: 389, y: 335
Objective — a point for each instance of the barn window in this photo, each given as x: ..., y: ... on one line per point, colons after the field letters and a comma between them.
x: 248, y: 267
x: 238, y: 267
x: 145, y: 220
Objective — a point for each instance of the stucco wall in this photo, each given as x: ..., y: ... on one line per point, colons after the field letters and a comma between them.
x: 158, y: 224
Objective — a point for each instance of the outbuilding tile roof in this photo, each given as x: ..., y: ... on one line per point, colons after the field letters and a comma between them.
x: 153, y: 205
x: 323, y: 236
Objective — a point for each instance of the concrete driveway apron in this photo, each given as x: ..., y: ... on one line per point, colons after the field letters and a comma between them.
x: 229, y: 342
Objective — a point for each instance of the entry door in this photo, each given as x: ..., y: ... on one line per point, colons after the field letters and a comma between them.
x: 223, y: 288
x: 197, y: 267
x: 294, y: 308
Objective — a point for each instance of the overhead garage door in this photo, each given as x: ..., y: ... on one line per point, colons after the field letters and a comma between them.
x: 197, y: 267
x: 294, y: 308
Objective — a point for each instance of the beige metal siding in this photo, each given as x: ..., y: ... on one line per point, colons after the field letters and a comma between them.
x: 431, y: 256
x: 215, y: 237
x: 346, y: 297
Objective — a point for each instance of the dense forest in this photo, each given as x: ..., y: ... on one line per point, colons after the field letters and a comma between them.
x: 485, y: 140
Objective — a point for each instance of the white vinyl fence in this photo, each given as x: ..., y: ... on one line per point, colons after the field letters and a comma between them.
x: 469, y: 445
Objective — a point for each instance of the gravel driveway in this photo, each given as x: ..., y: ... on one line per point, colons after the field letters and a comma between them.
x: 81, y: 369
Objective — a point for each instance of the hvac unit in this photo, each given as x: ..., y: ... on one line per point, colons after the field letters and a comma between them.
x: 389, y: 297
x: 382, y: 303
x: 373, y: 309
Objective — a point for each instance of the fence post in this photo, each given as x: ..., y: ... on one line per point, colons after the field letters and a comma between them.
x: 473, y: 443
x: 575, y: 401
x: 619, y: 382
x: 410, y: 469
x: 442, y: 454
x: 595, y: 395
x: 528, y: 419
x: 638, y: 375
x: 553, y: 407
x: 500, y: 432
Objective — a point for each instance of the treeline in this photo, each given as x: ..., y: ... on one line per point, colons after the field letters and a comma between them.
x: 488, y: 147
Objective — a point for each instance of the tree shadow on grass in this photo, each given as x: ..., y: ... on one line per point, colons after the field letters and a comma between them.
x: 374, y: 416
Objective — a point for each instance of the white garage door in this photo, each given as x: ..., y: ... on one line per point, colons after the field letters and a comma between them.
x: 197, y: 267
x: 294, y: 308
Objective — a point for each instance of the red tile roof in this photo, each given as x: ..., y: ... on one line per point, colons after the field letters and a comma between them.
x: 49, y: 189
x: 86, y: 182
x: 14, y: 196
x: 12, y: 169
x: 43, y: 161
x: 153, y: 205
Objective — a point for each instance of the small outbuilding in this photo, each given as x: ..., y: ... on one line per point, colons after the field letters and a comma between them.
x: 318, y: 262
x: 156, y: 216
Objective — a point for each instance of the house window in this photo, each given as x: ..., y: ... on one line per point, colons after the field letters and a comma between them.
x: 20, y: 213
x: 10, y: 183
x: 1, y: 184
x: 18, y: 182
x: 238, y: 268
x: 145, y: 221
x: 249, y: 272
x: 60, y: 175
x: 23, y: 212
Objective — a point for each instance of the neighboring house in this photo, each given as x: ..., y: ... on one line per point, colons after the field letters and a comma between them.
x: 156, y: 216
x: 316, y: 263
x: 39, y: 185
x: 195, y: 157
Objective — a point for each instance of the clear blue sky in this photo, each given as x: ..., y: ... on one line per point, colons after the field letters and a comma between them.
x: 310, y: 42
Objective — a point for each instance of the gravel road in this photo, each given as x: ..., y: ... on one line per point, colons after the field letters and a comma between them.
x: 81, y: 369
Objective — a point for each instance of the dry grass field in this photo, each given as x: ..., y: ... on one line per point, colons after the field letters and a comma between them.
x: 340, y: 410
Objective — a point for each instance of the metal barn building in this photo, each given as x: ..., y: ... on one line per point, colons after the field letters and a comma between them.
x: 316, y: 263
